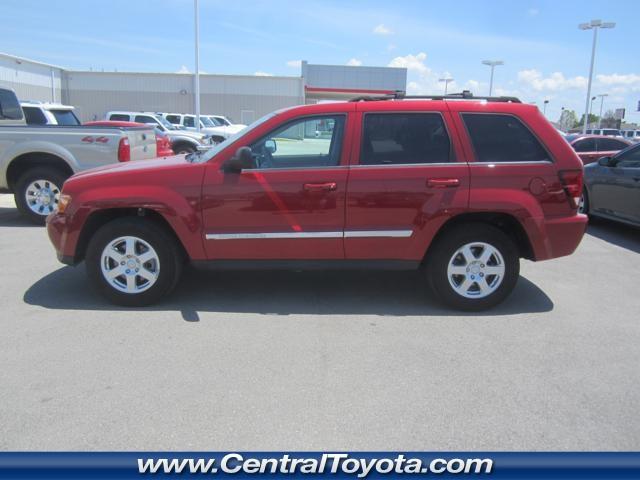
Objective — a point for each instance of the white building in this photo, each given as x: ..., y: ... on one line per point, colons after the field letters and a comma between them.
x: 243, y: 98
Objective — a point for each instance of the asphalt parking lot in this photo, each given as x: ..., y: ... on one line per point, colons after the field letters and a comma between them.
x: 316, y: 361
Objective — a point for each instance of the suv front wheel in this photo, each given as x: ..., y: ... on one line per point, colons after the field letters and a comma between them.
x: 473, y: 267
x: 133, y: 262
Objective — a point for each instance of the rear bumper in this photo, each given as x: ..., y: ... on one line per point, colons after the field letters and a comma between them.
x: 557, y: 237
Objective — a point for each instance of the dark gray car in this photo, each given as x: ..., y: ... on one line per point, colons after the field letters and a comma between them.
x: 612, y: 187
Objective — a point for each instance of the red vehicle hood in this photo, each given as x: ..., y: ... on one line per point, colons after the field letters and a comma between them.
x: 135, y: 166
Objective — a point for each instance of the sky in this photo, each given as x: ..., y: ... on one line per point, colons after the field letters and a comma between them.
x: 546, y: 56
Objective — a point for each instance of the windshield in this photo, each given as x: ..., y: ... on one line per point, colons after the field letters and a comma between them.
x: 216, y: 121
x: 206, y: 122
x: 213, y: 151
x: 611, y: 132
x: 165, y: 123
x: 65, y: 117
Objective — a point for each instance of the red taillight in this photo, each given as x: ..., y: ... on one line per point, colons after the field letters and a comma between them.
x: 124, y: 150
x: 572, y: 184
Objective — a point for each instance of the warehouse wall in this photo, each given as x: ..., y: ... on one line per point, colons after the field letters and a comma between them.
x: 30, y: 80
x: 242, y: 98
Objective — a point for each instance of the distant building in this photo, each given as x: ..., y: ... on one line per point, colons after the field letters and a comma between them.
x: 243, y: 98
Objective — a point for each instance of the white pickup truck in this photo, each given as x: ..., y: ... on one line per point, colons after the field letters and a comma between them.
x: 36, y: 160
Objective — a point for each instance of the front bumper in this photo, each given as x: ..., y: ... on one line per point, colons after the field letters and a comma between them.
x: 63, y: 238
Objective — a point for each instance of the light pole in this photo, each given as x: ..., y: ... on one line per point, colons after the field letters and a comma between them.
x: 602, y: 95
x: 446, y: 83
x: 594, y: 25
x: 196, y: 79
x: 544, y: 108
x: 590, y: 110
x: 493, y: 64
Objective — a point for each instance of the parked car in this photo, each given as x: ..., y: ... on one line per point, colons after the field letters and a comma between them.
x: 612, y: 187
x: 631, y: 135
x: 607, y: 132
x: 218, y: 132
x: 44, y: 113
x: 462, y: 188
x: 35, y: 160
x: 182, y: 141
x: 591, y: 147
x: 222, y: 121
x: 163, y: 144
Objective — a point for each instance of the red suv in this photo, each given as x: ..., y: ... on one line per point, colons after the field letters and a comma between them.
x: 459, y: 186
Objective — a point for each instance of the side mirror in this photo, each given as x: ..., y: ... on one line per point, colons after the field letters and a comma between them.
x: 241, y: 160
x: 271, y: 146
x: 606, y: 162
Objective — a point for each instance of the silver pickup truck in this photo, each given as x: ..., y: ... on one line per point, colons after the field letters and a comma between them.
x: 36, y: 160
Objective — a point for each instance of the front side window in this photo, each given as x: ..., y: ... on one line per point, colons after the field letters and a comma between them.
x: 586, y: 145
x: 629, y: 158
x: 500, y: 138
x: 175, y: 119
x: 34, y: 116
x: 189, y: 122
x: 145, y: 119
x: 304, y: 143
x: 404, y: 138
x: 9, y: 106
x: 610, y: 145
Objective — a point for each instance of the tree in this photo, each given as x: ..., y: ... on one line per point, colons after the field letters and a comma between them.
x: 609, y: 120
x: 593, y: 120
x: 568, y: 119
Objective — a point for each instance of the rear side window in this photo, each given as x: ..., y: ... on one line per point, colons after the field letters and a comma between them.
x: 586, y: 145
x: 189, y: 122
x: 9, y: 106
x: 610, y: 144
x: 145, y: 119
x: 502, y: 138
x: 65, y: 117
x: 404, y: 138
x: 34, y: 116
x: 175, y: 119
x: 119, y: 117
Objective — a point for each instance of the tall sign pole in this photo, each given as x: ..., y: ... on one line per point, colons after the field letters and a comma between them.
x: 196, y: 79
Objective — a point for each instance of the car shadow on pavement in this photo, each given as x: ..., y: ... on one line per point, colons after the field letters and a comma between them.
x: 11, y: 217
x: 619, y: 234
x: 283, y: 293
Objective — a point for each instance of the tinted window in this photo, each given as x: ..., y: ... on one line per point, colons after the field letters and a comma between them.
x: 586, y: 145
x: 145, y: 119
x: 34, y: 116
x: 309, y: 142
x: 119, y: 117
x: 609, y: 144
x: 404, y: 138
x: 175, y: 119
x: 502, y: 138
x: 630, y: 158
x: 9, y: 106
x: 189, y: 122
x: 65, y: 117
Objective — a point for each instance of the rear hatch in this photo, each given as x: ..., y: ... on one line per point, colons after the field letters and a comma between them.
x: 142, y: 142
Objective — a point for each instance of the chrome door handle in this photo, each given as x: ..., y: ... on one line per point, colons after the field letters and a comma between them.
x: 320, y: 187
x: 443, y: 182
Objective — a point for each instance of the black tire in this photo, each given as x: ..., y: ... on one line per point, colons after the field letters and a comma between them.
x: 52, y: 176
x: 168, y: 252
x: 442, y: 251
x: 585, y: 202
x: 183, y: 148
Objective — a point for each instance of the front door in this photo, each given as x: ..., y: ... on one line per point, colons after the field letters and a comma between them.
x: 290, y: 205
x: 404, y: 181
x: 617, y: 188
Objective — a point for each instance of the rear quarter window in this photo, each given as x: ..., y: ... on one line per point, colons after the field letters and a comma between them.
x: 499, y: 138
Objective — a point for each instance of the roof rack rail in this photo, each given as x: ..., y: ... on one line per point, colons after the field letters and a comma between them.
x: 464, y: 95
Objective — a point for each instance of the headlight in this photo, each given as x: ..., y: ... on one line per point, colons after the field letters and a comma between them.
x: 63, y: 202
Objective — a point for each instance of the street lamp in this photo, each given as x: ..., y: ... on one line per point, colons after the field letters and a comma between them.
x: 602, y: 95
x: 446, y: 83
x: 594, y: 25
x: 493, y: 64
x: 544, y: 108
x: 590, y: 109
x: 196, y: 77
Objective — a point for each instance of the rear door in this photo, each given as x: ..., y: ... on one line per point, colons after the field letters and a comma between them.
x: 617, y: 189
x: 142, y: 142
x: 586, y: 149
x: 407, y: 176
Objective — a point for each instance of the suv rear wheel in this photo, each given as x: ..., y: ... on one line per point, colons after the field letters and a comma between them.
x: 37, y: 193
x: 133, y: 262
x: 473, y: 267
